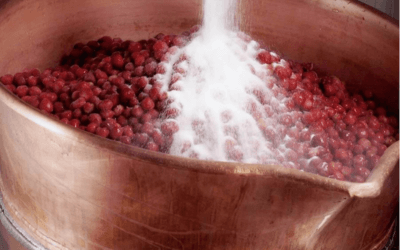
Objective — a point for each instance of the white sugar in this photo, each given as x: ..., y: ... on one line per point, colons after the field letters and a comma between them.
x: 215, y: 95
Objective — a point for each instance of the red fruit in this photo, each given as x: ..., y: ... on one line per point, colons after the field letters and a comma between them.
x: 350, y: 118
x: 88, y: 107
x: 7, y: 79
x: 299, y: 98
x: 152, y: 146
x: 235, y: 154
x: 140, y: 139
x: 86, y: 93
x: 103, y: 132
x: 116, y: 133
x: 137, y: 111
x: 334, y: 166
x: 19, y: 79
x: 127, y: 131
x: 95, y: 100
x: 362, y: 171
x: 264, y: 57
x: 58, y: 107
x: 135, y: 47
x: 142, y: 82
x: 360, y: 161
x: 22, y: 90
x: 126, y: 94
x: 32, y: 100
x: 330, y: 90
x: 66, y: 114
x: 126, y: 75
x: 77, y: 113
x: 346, y: 171
x: 374, y: 123
x: 147, y: 128
x: 169, y: 127
x: 133, y: 102
x: 154, y: 93
x: 138, y: 71
x: 311, y: 75
x: 99, y: 74
x: 139, y: 60
x: 106, y: 105
x: 307, y: 104
x: 153, y: 113
x: 118, y: 110
x: 91, y: 127
x: 117, y: 60
x: 107, y: 114
x: 125, y: 139
x: 32, y: 81
x: 46, y: 105
x: 147, y: 103
x: 74, y: 123
x: 305, y: 136
x: 179, y: 41
x: 283, y: 72
x: 150, y: 68
x: 342, y: 154
x: 158, y: 138
x: 145, y: 118
x: 122, y: 120
x: 129, y: 66
x: 78, y: 103
x: 80, y: 72
x: 117, y: 81
x: 160, y: 46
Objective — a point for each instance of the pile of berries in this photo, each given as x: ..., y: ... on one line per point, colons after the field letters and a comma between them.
x: 108, y: 87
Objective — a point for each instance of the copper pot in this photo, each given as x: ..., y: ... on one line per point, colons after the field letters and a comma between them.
x: 69, y: 189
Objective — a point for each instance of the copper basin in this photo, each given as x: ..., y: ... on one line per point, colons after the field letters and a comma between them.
x: 69, y: 189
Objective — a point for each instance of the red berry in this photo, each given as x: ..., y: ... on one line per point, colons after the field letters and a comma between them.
x: 107, y: 114
x: 116, y: 132
x: 137, y: 111
x: 169, y: 127
x: 7, y: 79
x: 264, y: 57
x: 106, y: 105
x: 46, y: 105
x: 103, y: 132
x: 147, y: 103
x: 91, y: 127
x: 22, y: 90
x: 74, y: 123
x: 78, y: 103
x: 95, y: 118
x: 152, y: 146
x: 125, y: 139
x: 117, y: 60
x: 350, y: 118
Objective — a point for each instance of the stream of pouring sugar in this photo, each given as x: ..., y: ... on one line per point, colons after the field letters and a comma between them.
x: 215, y: 92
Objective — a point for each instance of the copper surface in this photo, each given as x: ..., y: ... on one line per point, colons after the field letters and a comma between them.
x: 73, y: 190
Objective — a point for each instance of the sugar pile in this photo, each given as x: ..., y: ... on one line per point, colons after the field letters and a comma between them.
x: 213, y: 83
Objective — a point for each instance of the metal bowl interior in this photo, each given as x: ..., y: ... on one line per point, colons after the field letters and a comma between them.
x: 72, y: 190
